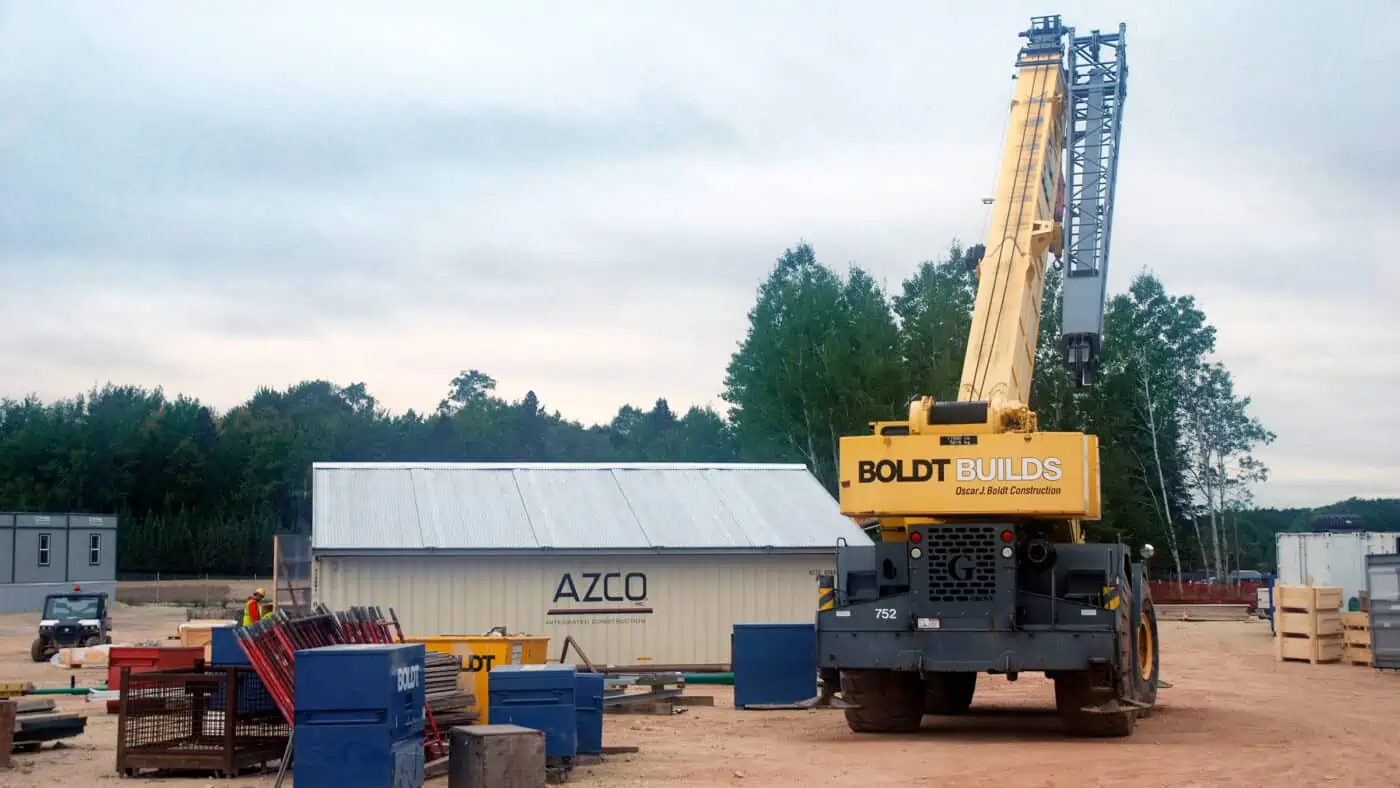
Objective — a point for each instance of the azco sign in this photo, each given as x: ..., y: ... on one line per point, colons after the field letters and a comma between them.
x: 596, y: 589
x: 604, y: 587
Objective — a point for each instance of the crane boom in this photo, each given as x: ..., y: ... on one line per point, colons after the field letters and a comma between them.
x: 1001, y: 348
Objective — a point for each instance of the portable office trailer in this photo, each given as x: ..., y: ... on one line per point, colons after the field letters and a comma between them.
x: 41, y: 553
x: 1331, y: 559
x: 640, y: 563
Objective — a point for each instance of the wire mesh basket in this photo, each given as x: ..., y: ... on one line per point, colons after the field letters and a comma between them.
x: 209, y: 719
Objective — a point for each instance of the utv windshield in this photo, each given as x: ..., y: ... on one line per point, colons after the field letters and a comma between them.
x: 71, y: 608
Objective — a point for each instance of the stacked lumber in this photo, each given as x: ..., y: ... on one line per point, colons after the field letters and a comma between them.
x: 450, y: 706
x: 1357, y: 634
x: 1308, y: 623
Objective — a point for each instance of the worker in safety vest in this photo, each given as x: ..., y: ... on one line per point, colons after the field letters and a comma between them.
x: 252, y: 609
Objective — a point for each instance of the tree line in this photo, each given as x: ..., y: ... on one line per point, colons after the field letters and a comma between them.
x: 826, y: 352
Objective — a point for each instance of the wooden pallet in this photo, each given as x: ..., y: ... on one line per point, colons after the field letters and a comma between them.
x: 1308, y: 624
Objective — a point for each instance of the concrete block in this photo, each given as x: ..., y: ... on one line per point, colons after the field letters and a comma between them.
x: 495, y: 756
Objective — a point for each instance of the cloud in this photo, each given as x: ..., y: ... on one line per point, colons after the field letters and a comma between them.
x: 216, y: 196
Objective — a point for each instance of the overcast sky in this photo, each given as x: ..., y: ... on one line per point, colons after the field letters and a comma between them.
x: 216, y: 195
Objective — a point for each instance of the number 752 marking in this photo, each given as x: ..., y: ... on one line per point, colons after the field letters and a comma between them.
x: 884, y: 612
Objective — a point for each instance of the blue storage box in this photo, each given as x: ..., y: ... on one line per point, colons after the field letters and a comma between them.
x: 588, y: 705
x: 539, y: 697
x: 361, y: 684
x: 774, y: 664
x: 355, y: 756
x: 224, y: 648
x: 359, y: 716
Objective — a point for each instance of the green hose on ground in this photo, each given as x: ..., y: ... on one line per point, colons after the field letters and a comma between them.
x: 65, y: 690
x: 709, y: 678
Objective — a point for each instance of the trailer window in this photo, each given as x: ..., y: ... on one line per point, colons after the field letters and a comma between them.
x: 44, y: 549
x: 94, y: 549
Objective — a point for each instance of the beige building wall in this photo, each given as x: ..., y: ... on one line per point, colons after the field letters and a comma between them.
x: 621, y: 609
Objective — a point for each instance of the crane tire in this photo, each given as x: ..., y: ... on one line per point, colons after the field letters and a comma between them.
x: 1073, y: 691
x: 1147, y: 659
x: 887, y: 701
x: 949, y: 693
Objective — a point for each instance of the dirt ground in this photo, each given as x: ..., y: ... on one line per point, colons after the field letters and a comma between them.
x: 1234, y: 717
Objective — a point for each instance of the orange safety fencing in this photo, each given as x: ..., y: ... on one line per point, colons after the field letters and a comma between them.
x: 1170, y: 592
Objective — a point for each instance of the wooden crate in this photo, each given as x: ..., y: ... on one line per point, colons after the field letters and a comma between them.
x: 1357, y: 634
x: 1307, y: 598
x: 1308, y: 623
x: 1357, y: 655
x: 1359, y: 637
x: 1354, y: 619
x: 1319, y: 623
x: 1306, y: 648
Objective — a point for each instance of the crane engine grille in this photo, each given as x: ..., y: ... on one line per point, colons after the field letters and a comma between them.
x: 962, y: 563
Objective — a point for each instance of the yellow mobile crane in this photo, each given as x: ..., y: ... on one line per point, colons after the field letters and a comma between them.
x: 981, y: 564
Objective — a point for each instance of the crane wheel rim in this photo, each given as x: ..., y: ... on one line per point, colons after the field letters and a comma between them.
x: 1147, y: 650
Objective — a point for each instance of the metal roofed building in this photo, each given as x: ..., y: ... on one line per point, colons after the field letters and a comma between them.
x: 641, y: 563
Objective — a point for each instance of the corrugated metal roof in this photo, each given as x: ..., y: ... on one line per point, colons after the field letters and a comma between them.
x: 522, y: 506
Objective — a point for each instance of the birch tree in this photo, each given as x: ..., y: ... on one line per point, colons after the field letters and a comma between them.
x: 819, y: 361
x: 1220, y: 444
x: 1149, y: 336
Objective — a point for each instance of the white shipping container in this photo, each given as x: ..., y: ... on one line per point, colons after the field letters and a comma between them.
x: 623, y: 609
x: 1331, y: 559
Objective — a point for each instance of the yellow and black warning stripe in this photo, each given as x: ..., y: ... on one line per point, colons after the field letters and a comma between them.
x: 826, y: 598
x: 1112, y: 597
